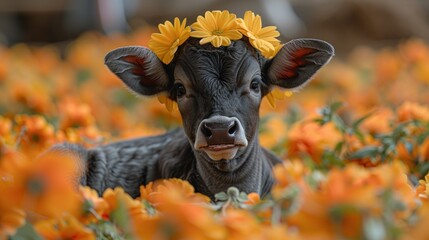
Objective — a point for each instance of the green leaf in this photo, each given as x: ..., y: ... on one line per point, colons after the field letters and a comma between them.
x: 221, y: 196
x: 26, y: 232
x: 359, y: 121
x: 83, y: 76
x: 335, y: 106
x: 150, y: 209
x: 368, y: 151
x: 87, y: 206
x: 337, y: 212
x: 423, y: 169
x: 120, y: 217
x: 242, y: 197
x: 105, y: 230
x: 359, y: 135
x: 338, y: 148
x: 422, y: 137
x: 409, y: 146
x: 339, y: 123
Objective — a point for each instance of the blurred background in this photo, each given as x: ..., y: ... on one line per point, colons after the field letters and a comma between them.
x: 345, y: 23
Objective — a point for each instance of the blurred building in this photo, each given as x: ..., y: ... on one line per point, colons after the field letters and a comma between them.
x: 345, y: 23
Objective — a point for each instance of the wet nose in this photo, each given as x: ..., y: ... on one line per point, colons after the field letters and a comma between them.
x: 219, y: 130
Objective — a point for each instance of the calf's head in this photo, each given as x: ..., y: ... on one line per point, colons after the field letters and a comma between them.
x: 219, y: 90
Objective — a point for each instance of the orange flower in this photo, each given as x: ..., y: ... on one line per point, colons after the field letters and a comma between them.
x: 412, y: 111
x: 379, y: 121
x: 240, y: 224
x: 10, y: 221
x: 140, y: 130
x: 185, y: 211
x: 65, y: 228
x: 98, y: 207
x: 117, y: 197
x: 74, y: 114
x: 5, y: 126
x: 35, y: 132
x: 43, y: 187
x: 280, y: 232
x: 287, y: 174
x: 415, y: 50
x: 135, y: 213
x: 88, y: 136
x: 273, y: 132
x: 6, y: 134
x: 419, y: 230
x: 311, y: 139
x: 424, y: 151
x: 47, y: 59
x: 24, y: 94
x: 388, y: 66
x: 346, y: 197
x: 4, y: 67
x: 162, y: 191
x: 253, y: 198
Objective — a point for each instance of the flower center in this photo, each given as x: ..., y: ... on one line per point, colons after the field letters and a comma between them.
x: 217, y: 32
x: 35, y: 186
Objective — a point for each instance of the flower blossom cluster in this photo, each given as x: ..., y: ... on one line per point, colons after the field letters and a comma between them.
x: 357, y: 170
x: 218, y: 28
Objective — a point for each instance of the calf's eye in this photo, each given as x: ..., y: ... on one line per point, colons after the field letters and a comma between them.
x: 180, y: 90
x: 255, y: 85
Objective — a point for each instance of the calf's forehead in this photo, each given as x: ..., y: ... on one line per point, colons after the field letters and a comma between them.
x: 203, y: 66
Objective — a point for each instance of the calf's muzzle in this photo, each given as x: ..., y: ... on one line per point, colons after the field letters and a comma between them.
x: 220, y: 137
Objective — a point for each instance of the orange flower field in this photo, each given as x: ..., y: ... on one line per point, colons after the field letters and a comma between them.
x: 355, y: 144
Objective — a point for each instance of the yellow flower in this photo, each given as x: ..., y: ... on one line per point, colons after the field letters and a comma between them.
x: 216, y: 27
x: 263, y: 39
x: 169, y: 104
x: 277, y: 94
x: 165, y: 43
x: 422, y: 189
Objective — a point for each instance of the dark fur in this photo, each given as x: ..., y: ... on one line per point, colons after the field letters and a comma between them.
x: 130, y: 164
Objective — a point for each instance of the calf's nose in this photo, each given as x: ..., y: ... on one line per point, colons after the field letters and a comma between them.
x: 219, y: 130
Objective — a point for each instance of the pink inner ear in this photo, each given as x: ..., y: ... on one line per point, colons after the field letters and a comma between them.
x: 138, y: 63
x: 140, y: 70
x: 295, y: 62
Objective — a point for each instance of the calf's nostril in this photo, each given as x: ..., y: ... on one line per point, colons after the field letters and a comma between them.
x: 206, y: 131
x: 233, y: 128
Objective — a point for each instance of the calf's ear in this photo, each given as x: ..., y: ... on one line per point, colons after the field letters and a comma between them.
x: 139, y: 69
x: 297, y: 62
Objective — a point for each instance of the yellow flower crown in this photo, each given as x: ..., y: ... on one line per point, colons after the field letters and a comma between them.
x: 217, y: 28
